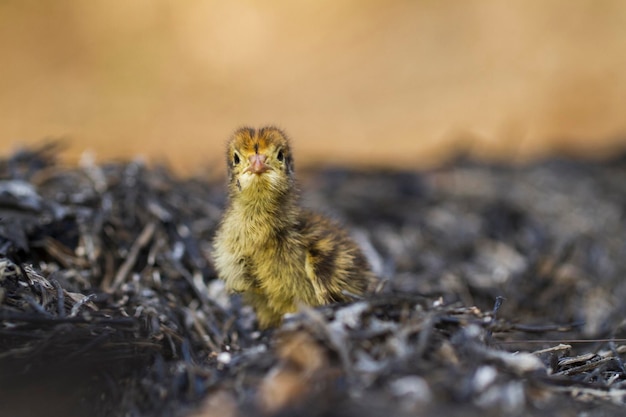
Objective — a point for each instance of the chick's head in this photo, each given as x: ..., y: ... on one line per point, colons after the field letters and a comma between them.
x: 259, y: 161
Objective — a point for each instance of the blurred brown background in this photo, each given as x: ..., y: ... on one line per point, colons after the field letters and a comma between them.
x: 368, y: 82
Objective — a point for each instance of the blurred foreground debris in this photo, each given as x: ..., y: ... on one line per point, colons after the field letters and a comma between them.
x: 502, y: 292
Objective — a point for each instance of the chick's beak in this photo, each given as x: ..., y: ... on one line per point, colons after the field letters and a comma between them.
x: 257, y: 164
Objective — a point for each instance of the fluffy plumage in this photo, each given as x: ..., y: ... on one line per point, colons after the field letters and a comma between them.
x: 269, y: 248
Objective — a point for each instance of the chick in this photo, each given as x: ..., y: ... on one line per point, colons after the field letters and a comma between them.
x: 268, y: 247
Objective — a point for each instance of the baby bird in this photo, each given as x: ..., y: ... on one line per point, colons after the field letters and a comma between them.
x: 270, y: 249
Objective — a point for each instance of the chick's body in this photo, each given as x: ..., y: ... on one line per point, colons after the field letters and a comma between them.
x: 269, y: 248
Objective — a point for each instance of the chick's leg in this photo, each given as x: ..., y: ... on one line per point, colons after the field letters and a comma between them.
x: 267, y: 316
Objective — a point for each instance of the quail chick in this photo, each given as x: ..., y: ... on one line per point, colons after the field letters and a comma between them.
x: 268, y: 247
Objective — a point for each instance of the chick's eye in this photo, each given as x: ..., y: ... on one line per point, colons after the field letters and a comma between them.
x: 236, y: 159
x: 280, y: 156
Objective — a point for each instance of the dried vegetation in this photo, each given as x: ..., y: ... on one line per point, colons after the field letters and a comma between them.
x: 502, y: 293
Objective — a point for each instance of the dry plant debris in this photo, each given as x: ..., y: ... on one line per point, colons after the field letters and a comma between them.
x: 502, y: 293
